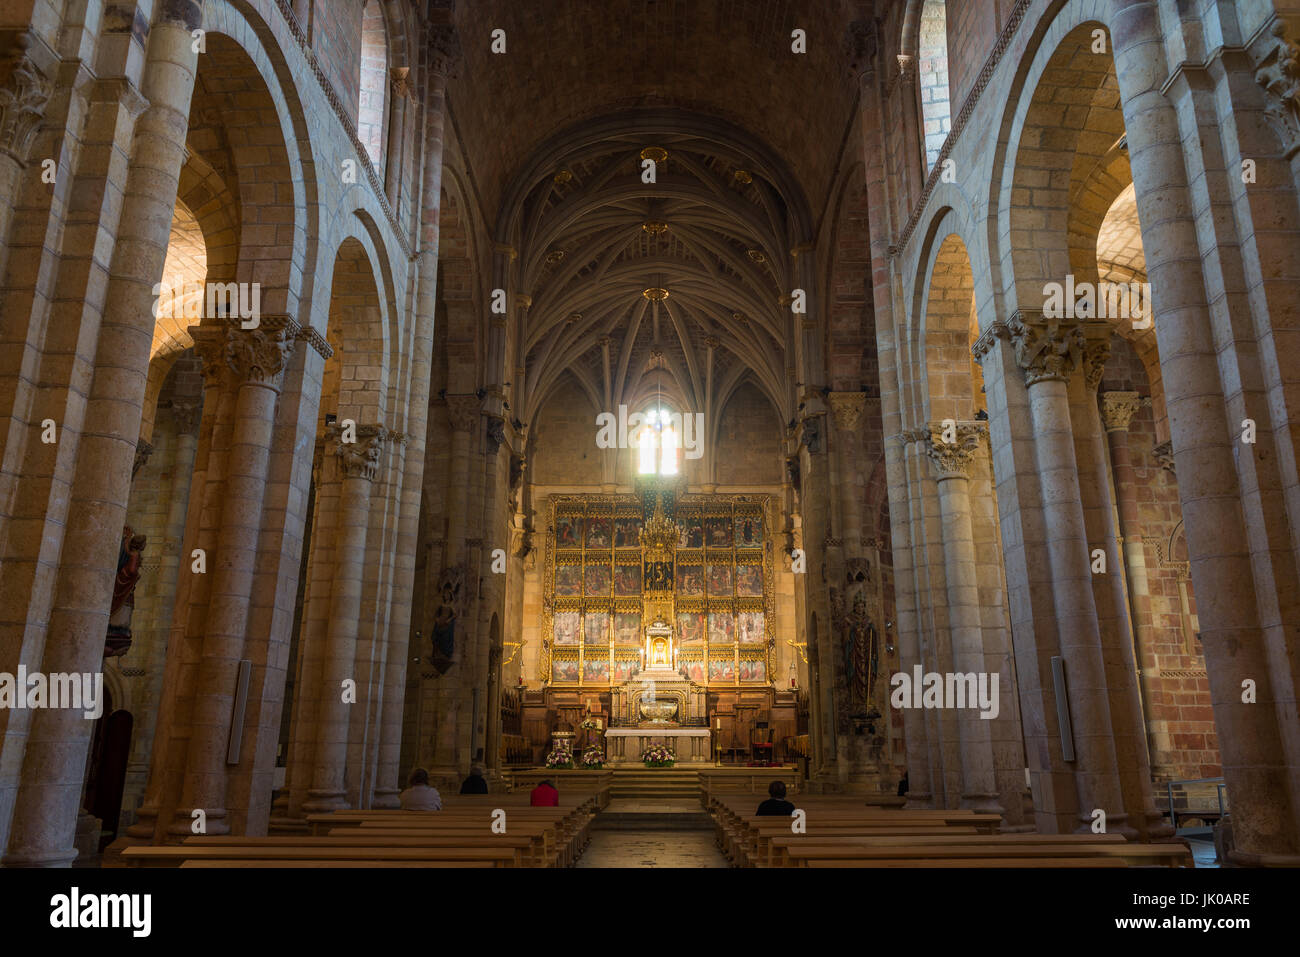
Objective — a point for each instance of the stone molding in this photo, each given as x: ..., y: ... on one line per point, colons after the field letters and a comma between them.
x: 142, y: 452
x: 1096, y: 351
x: 314, y: 339
x: 1118, y: 409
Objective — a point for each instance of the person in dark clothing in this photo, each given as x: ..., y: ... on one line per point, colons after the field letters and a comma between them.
x: 902, y: 785
x: 475, y: 783
x: 544, y: 795
x: 776, y: 805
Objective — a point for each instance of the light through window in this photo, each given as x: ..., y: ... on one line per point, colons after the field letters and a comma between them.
x: 657, y: 444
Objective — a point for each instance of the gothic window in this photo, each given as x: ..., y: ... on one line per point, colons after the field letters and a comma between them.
x: 658, y: 442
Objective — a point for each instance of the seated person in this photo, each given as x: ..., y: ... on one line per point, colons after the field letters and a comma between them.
x: 776, y: 805
x: 544, y: 795
x: 419, y: 796
x: 475, y: 783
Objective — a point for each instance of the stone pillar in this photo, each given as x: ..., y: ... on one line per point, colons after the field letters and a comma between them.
x: 42, y: 829
x: 1049, y: 351
x: 358, y: 463
x: 1194, y: 336
x: 846, y: 412
x: 256, y: 359
x: 1117, y: 410
x: 952, y: 456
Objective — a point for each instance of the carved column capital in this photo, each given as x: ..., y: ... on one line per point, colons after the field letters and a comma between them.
x: 260, y: 355
x: 1118, y: 409
x: 210, y: 347
x: 186, y: 415
x: 463, y: 411
x: 399, y: 78
x: 1046, y: 348
x: 860, y: 43
x: 953, y: 459
x: 1279, y: 75
x: 22, y: 103
x: 906, y: 68
x: 359, y: 458
x: 847, y: 408
x: 444, y: 49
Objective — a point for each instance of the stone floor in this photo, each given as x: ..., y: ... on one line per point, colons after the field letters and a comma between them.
x: 651, y: 849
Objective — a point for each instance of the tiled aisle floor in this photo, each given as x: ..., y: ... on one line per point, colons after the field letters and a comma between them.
x: 651, y: 849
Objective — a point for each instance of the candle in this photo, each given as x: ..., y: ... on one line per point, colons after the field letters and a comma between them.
x: 719, y: 724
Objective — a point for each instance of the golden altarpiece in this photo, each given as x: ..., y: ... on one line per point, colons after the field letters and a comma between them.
x: 661, y: 603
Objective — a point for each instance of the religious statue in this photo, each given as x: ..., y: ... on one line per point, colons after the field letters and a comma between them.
x: 129, y: 559
x: 450, y: 588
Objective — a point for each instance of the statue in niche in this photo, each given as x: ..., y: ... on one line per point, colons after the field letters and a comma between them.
x: 130, y: 557
x: 451, y: 586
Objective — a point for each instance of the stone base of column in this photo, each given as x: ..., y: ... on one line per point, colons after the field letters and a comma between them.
x: 919, y: 801
x: 59, y: 859
x: 1249, y: 859
x: 182, y: 826
x: 283, y: 825
x: 990, y: 803
x: 324, y: 802
x: 386, y: 799
x: 1115, y: 824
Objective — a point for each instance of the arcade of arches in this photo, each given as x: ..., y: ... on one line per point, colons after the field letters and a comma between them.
x: 380, y: 393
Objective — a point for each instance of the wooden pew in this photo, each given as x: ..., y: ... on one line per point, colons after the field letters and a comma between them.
x: 175, y: 855
x: 350, y: 864
x: 523, y: 845
x: 1142, y: 855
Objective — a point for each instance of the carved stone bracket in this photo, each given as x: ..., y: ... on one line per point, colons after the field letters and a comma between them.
x: 1047, y: 348
x: 1096, y: 351
x: 1164, y: 456
x: 359, y: 459
x: 22, y: 104
x: 953, y: 459
x: 860, y: 46
x: 1279, y: 75
x: 1118, y: 409
x: 142, y: 452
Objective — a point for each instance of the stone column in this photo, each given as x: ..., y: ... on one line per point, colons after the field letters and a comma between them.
x: 256, y: 359
x: 1117, y: 410
x: 42, y: 829
x: 846, y: 412
x: 952, y: 456
x: 358, y: 463
x: 1049, y: 351
x: 1229, y: 570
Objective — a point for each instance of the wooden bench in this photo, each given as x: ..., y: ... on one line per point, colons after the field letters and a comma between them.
x: 1148, y: 855
x: 175, y: 855
x: 314, y: 864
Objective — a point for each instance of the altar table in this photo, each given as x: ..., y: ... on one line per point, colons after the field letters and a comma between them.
x: 624, y: 745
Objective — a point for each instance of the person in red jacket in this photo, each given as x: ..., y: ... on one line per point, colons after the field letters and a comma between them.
x: 544, y: 795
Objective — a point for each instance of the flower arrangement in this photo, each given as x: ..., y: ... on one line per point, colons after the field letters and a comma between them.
x: 659, y: 756
x: 593, y: 758
x: 560, y: 757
